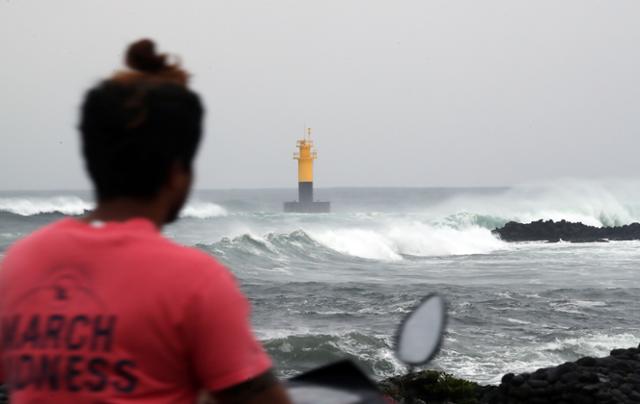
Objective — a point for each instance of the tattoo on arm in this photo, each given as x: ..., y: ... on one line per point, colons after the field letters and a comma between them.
x: 245, y: 391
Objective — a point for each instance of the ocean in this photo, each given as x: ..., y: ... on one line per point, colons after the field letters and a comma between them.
x: 330, y: 286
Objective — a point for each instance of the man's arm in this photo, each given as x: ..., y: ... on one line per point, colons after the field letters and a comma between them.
x: 227, y: 359
x: 265, y: 388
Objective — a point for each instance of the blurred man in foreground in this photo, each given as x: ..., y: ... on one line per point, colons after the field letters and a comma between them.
x: 104, y: 308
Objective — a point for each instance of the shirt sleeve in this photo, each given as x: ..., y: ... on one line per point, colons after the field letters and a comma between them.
x: 222, y: 348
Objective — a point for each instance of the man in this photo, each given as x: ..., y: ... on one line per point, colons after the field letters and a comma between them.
x: 104, y: 308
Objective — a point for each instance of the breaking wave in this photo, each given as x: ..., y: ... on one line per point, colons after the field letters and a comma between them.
x: 410, y: 239
x: 392, y: 244
x: 32, y: 206
x: 611, y: 203
x: 492, y: 364
x: 304, y: 351
x: 203, y: 210
x: 75, y: 206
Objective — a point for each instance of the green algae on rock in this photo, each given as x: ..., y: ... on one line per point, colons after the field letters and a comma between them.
x: 431, y: 386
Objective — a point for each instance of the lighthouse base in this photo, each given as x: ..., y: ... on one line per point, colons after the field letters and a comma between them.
x: 307, y: 207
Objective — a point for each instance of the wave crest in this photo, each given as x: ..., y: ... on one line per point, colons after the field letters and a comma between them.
x: 75, y: 206
x: 594, y: 203
x: 392, y: 244
x: 32, y: 206
x: 302, y: 350
x: 413, y: 239
x: 203, y: 210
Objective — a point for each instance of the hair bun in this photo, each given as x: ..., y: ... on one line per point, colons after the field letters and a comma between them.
x: 147, y: 66
x: 142, y: 56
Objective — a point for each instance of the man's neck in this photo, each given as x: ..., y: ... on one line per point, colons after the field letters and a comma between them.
x: 122, y: 209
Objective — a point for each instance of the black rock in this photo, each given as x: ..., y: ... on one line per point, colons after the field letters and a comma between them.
x: 614, y: 379
x: 588, y: 377
x: 590, y: 388
x: 566, y: 367
x: 540, y: 374
x: 618, y: 395
x: 517, y: 380
x: 538, y: 384
x: 579, y: 398
x: 635, y: 396
x: 618, y: 352
x: 569, y: 378
x: 586, y: 361
x: 621, y: 366
x: 553, y: 375
x: 507, y: 378
x: 568, y: 231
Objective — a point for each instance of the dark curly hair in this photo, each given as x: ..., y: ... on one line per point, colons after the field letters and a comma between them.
x: 139, y: 123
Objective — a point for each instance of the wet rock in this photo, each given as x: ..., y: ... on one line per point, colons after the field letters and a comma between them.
x: 434, y: 387
x: 613, y: 379
x: 588, y: 377
x: 553, y: 375
x: 590, y: 388
x: 586, y: 361
x: 566, y: 368
x: 570, y: 378
x: 538, y: 384
x: 568, y: 231
x: 517, y: 380
x: 507, y: 378
x: 618, y: 352
x: 540, y: 374
x: 626, y: 388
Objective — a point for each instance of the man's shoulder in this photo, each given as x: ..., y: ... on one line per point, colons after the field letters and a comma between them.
x: 151, y: 247
x: 188, y: 270
x: 36, y: 238
x: 169, y: 249
x: 183, y: 263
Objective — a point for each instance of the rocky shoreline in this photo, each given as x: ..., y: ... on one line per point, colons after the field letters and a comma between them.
x: 575, y: 232
x: 614, y: 379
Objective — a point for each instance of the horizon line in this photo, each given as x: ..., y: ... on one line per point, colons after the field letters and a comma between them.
x: 285, y: 188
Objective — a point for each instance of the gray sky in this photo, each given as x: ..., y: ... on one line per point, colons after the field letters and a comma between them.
x: 400, y: 93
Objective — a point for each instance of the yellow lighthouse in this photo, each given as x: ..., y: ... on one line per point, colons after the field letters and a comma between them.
x: 305, y: 156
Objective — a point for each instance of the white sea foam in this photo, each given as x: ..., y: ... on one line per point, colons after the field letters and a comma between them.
x: 593, y: 344
x: 516, y: 321
x: 203, y: 210
x: 74, y: 205
x: 359, y: 243
x: 575, y: 306
x: 67, y: 205
x: 490, y: 365
x: 595, y: 203
x: 425, y: 240
x: 589, y: 303
x: 416, y: 239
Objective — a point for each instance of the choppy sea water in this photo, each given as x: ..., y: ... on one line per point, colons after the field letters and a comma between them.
x: 328, y: 286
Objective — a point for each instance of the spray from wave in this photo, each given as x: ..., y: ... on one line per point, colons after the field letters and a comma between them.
x: 203, y: 210
x: 611, y: 203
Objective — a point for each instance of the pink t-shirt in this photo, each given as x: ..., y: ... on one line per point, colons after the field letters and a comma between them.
x: 116, y: 313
